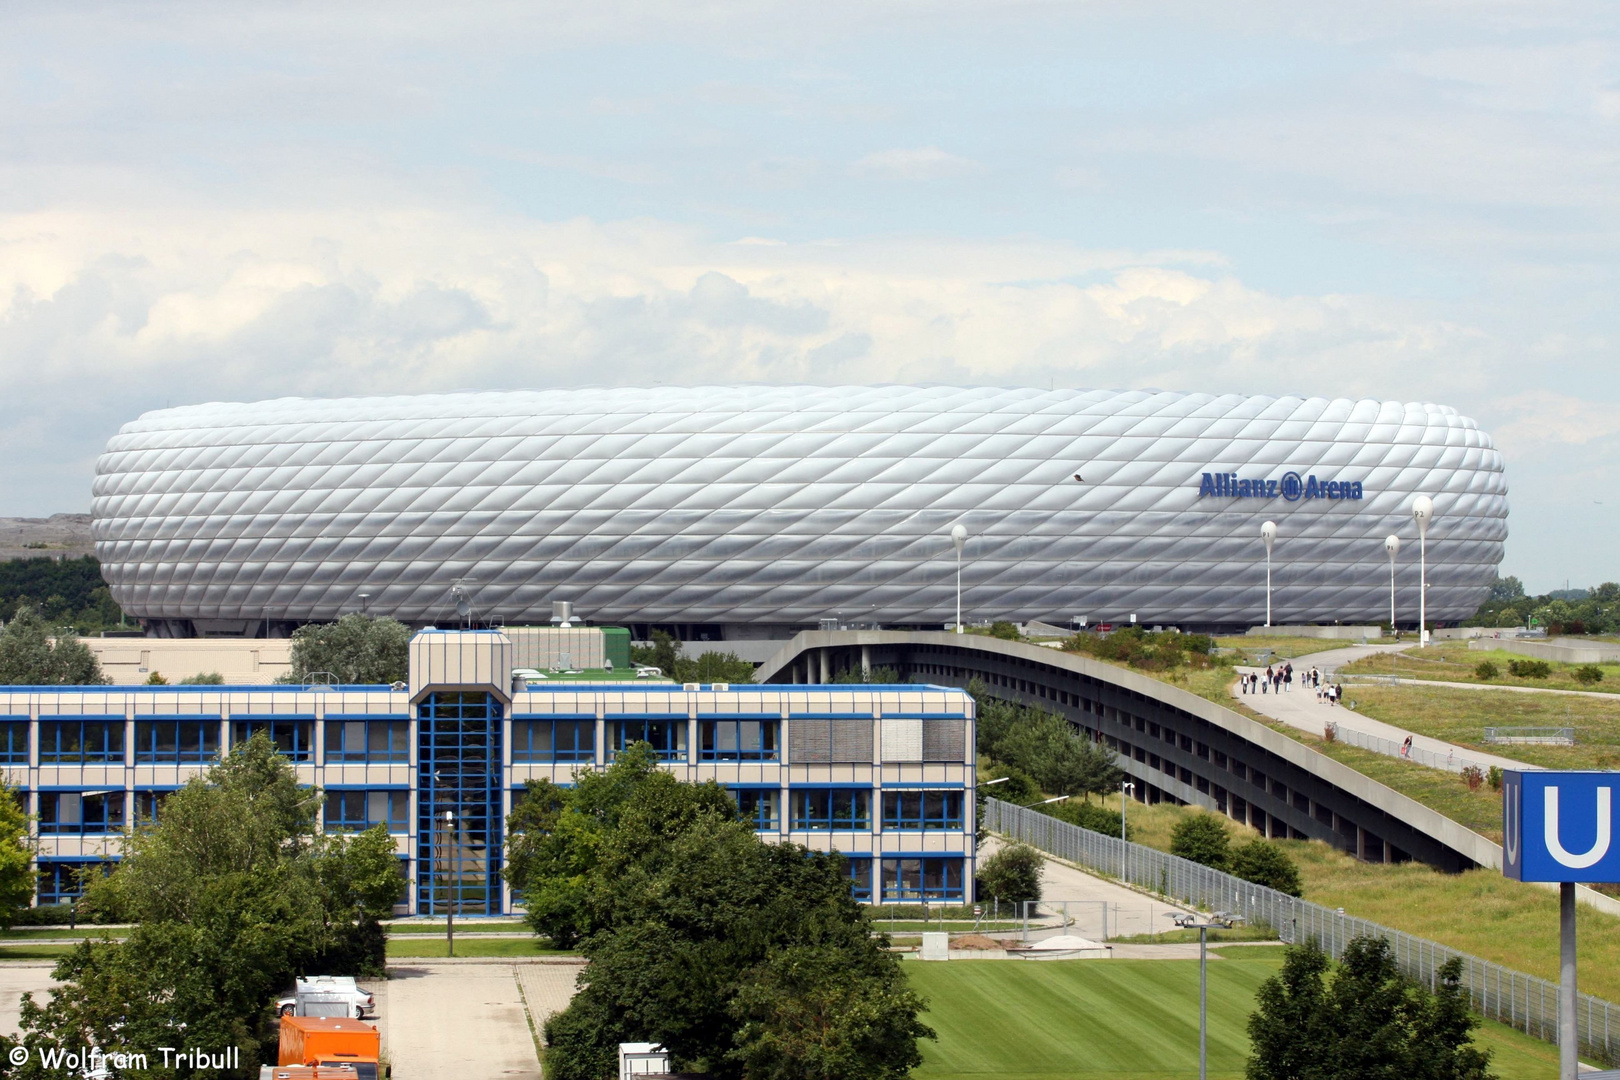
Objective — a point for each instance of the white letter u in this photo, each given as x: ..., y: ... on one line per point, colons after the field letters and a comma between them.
x: 1600, y: 847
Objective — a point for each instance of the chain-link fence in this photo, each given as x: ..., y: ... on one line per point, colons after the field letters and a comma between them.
x: 1512, y: 997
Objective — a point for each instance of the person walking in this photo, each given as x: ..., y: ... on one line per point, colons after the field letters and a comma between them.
x: 1288, y: 678
x: 1406, y: 748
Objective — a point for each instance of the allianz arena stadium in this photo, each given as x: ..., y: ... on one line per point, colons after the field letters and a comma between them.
x: 752, y: 509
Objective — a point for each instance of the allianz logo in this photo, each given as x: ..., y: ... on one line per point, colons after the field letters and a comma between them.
x: 1292, y: 487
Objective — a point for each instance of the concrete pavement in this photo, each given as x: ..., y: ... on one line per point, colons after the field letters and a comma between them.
x: 17, y: 978
x: 441, y: 1020
x: 1091, y: 901
x: 1300, y: 709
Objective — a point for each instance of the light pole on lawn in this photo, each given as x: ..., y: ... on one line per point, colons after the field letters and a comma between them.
x: 454, y: 884
x: 959, y: 539
x: 1423, y: 513
x: 1268, y: 533
x: 1392, y: 548
x: 1125, y: 786
x: 1219, y: 920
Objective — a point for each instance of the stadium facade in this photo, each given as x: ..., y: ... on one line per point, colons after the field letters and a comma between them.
x: 744, y: 511
x: 883, y: 774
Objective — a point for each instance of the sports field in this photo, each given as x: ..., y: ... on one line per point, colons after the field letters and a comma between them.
x: 1129, y: 1019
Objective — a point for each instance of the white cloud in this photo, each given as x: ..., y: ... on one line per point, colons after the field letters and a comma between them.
x: 1539, y: 417
x: 914, y: 163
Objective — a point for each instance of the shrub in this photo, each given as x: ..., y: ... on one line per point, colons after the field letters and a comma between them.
x: 1486, y: 670
x: 1529, y: 669
x: 1012, y: 874
x: 207, y: 678
x: 1473, y: 777
x: 1494, y: 778
x: 1088, y: 816
x: 1588, y: 674
x: 1264, y: 863
x: 1003, y: 629
x: 1202, y: 838
x: 156, y: 679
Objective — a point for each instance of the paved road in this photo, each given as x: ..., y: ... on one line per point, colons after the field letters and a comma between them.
x: 1090, y: 900
x: 447, y: 1019
x: 15, y: 979
x: 1300, y: 708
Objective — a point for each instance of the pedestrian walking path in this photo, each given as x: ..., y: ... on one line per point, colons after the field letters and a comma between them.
x: 1097, y: 908
x: 1301, y: 709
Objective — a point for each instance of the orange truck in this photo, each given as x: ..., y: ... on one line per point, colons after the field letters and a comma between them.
x: 322, y: 1041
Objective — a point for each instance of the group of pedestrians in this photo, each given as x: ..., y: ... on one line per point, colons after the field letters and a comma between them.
x: 1276, y: 680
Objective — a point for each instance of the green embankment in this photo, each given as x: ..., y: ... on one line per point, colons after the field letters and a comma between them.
x: 1458, y: 663
x: 1480, y: 912
x: 1127, y: 1019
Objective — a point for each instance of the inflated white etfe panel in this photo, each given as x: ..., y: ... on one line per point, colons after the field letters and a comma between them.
x: 791, y: 504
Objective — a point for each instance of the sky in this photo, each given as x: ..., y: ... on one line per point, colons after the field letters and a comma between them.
x: 234, y: 201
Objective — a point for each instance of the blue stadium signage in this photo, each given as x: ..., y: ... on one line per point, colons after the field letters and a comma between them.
x: 1292, y: 487
x: 1559, y: 826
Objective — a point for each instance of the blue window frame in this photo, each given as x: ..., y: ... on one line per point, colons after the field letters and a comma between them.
x: 554, y: 740
x: 173, y: 740
x: 737, y: 740
x: 667, y: 736
x: 928, y: 810
x: 356, y: 810
x: 82, y: 741
x: 59, y: 879
x: 14, y: 740
x: 149, y: 804
x: 860, y: 876
x: 80, y: 813
x: 368, y: 740
x: 294, y: 736
x: 922, y: 878
x: 458, y: 770
x: 841, y: 809
x: 760, y: 806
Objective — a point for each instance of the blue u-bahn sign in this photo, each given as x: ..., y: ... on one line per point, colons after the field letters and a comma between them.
x: 1560, y: 826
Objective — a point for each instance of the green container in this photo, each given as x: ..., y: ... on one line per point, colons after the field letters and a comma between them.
x: 616, y: 647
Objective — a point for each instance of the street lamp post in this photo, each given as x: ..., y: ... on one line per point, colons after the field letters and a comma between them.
x: 1422, y: 513
x: 1219, y: 920
x: 1268, y: 533
x: 454, y: 884
x: 1392, y: 548
x: 959, y: 539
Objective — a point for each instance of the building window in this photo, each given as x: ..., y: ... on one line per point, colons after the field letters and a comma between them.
x: 148, y: 804
x: 458, y: 773
x: 922, y: 809
x: 14, y: 742
x: 295, y: 738
x: 821, y: 809
x: 175, y: 742
x: 760, y: 806
x: 81, y: 742
x: 554, y: 740
x: 61, y: 881
x: 923, y: 878
x: 357, y: 811
x: 374, y: 742
x: 738, y: 740
x: 667, y: 737
x: 860, y: 877
x: 70, y: 813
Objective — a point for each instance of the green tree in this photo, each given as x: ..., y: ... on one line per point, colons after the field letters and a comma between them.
x: 1202, y: 838
x: 668, y: 656
x: 1264, y: 863
x: 233, y: 892
x: 16, y: 876
x: 30, y: 655
x: 1366, y: 1023
x: 355, y: 649
x: 1012, y: 874
x: 707, y: 940
x: 1042, y: 745
x: 206, y: 678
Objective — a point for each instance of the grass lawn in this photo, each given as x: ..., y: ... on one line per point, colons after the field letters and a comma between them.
x: 473, y: 946
x: 469, y: 926
x: 1480, y: 912
x: 34, y: 952
x: 1456, y: 663
x: 1461, y: 716
x: 35, y: 933
x: 1136, y: 1019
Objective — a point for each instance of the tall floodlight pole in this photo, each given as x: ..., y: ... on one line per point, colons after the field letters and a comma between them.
x: 1422, y: 513
x: 1268, y: 533
x: 959, y: 538
x: 1222, y: 920
x: 1392, y: 548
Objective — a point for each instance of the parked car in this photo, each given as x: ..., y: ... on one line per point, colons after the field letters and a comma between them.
x: 329, y: 996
